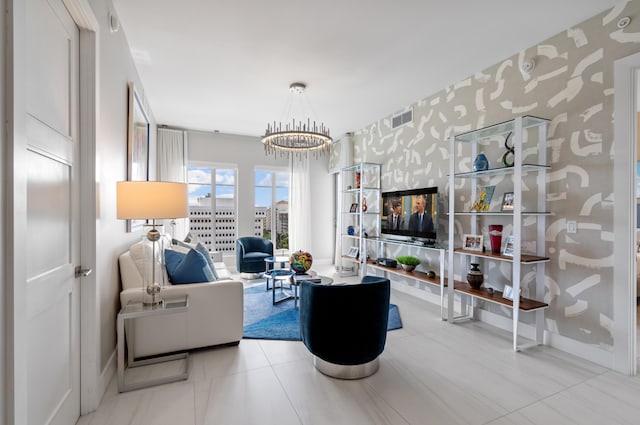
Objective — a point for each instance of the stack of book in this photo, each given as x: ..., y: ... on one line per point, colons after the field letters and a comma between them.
x: 307, y: 277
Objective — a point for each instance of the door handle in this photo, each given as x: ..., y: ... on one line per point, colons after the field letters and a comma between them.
x: 80, y: 272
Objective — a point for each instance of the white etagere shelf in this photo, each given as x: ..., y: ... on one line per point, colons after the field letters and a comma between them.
x: 468, y: 296
x: 360, y: 183
x: 439, y: 281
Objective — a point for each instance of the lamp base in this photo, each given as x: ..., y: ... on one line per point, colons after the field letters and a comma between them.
x: 152, y: 294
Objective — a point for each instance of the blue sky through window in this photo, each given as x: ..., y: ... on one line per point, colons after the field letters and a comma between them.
x: 199, y: 179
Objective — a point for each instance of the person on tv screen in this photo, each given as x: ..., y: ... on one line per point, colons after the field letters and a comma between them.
x: 395, y: 220
x: 420, y: 221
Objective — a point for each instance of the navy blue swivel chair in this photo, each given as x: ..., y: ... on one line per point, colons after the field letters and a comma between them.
x: 345, y: 326
x: 251, y: 252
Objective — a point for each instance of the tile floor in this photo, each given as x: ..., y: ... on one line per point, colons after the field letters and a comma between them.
x: 431, y: 373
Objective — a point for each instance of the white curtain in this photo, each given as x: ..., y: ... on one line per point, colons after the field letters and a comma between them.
x: 299, y: 203
x: 346, y: 159
x: 172, y: 167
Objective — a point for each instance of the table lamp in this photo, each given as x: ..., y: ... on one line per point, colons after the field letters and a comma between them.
x: 151, y: 200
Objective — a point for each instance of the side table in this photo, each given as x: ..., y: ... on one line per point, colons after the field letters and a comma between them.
x: 283, y: 276
x: 134, y: 310
x: 270, y: 263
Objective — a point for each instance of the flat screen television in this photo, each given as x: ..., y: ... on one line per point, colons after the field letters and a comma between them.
x: 410, y: 213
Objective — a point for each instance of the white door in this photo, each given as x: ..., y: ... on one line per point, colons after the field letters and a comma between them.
x: 52, y: 239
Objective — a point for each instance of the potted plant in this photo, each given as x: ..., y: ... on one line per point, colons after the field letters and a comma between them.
x: 408, y: 262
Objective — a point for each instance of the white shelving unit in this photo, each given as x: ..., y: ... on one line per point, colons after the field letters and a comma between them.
x: 534, y: 169
x: 360, y: 184
x: 439, y: 280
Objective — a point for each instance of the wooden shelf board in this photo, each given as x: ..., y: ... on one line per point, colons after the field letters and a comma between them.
x: 524, y: 258
x: 353, y: 260
x: 417, y: 275
x: 526, y: 304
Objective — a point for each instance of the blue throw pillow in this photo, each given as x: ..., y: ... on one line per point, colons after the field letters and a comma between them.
x: 205, y: 252
x: 191, y: 267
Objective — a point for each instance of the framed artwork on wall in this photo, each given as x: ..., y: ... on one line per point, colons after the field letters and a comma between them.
x: 137, y: 145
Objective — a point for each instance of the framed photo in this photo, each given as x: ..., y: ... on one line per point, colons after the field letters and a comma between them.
x: 353, y: 252
x: 484, y: 201
x: 508, y: 292
x: 507, y: 202
x: 354, y: 207
x: 137, y: 146
x: 508, y: 247
x: 473, y: 242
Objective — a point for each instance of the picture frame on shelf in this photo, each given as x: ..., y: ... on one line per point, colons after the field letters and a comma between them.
x: 508, y: 247
x: 508, y: 292
x: 473, y: 242
x: 353, y: 252
x: 354, y: 207
x: 484, y: 199
x: 507, y: 202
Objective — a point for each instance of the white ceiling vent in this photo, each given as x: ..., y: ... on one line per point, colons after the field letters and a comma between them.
x: 401, y: 119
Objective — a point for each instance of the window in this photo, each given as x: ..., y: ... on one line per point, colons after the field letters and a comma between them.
x: 272, y: 206
x: 213, y: 218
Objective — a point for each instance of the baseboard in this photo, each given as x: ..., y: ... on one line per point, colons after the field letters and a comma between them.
x: 107, y: 373
x: 594, y: 354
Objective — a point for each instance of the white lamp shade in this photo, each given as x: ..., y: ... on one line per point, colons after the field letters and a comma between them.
x: 142, y: 200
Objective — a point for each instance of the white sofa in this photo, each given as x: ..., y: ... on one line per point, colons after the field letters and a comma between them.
x: 214, y: 317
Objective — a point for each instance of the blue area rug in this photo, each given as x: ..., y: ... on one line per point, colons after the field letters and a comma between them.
x: 263, y: 320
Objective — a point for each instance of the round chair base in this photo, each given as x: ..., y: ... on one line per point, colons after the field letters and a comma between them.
x: 346, y: 371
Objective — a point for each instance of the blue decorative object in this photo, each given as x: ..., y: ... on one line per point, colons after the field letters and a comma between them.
x: 351, y: 230
x: 481, y: 162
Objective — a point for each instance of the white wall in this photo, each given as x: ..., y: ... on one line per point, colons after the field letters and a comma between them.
x: 116, y: 70
x: 247, y: 153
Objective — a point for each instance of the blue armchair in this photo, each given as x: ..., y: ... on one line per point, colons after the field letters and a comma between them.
x: 251, y: 252
x: 345, y: 326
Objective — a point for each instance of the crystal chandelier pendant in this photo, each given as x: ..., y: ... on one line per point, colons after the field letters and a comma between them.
x: 296, y: 137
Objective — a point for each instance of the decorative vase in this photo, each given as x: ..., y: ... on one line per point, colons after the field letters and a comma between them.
x: 300, y: 261
x: 475, y: 276
x: 358, y: 180
x: 351, y: 230
x: 495, y: 237
x: 481, y: 162
x: 364, y: 204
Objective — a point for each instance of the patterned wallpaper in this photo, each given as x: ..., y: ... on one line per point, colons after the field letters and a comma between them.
x: 572, y: 85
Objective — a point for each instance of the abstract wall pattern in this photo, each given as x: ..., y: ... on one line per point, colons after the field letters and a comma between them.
x: 572, y: 85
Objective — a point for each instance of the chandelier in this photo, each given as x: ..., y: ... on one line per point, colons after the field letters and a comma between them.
x: 296, y: 137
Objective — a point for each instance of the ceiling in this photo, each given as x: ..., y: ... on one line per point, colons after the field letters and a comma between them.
x: 226, y: 65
